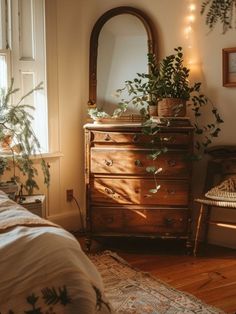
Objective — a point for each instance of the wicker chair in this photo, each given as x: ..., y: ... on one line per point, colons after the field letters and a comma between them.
x: 222, y: 166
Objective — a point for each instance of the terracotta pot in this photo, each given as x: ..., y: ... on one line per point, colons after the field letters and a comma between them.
x: 172, y: 107
x: 6, y: 142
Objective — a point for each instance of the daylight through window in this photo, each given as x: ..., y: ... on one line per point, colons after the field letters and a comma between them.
x: 22, y: 57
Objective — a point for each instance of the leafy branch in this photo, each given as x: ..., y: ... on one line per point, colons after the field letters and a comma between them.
x: 169, y: 78
x: 16, y: 126
x: 211, y: 129
x: 219, y: 11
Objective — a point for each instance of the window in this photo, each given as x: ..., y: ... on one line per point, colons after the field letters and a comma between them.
x: 22, y: 56
x: 4, y: 69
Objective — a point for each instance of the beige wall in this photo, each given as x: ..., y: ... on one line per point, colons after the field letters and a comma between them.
x: 69, y: 24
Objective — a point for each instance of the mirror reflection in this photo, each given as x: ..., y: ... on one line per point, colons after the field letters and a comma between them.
x: 122, y: 52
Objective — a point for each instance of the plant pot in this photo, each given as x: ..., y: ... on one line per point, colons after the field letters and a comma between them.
x: 172, y: 107
x: 152, y: 110
x: 6, y: 142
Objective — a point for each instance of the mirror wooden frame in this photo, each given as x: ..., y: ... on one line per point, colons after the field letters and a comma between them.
x: 94, y: 43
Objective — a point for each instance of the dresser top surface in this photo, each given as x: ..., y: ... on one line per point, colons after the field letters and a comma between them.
x: 174, y: 124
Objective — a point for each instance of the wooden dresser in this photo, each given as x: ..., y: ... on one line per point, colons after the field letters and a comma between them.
x: 118, y: 201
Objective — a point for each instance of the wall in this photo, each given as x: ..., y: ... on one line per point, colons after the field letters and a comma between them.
x: 69, y: 24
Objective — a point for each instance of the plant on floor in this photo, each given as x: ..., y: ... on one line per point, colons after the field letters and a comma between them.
x: 219, y: 11
x: 18, y: 141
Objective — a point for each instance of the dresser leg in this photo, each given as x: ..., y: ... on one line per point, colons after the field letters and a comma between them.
x: 206, y: 231
x: 199, y: 222
x: 189, y: 247
x: 189, y: 242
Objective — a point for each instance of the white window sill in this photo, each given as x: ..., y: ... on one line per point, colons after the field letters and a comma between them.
x: 49, y: 155
x: 38, y: 156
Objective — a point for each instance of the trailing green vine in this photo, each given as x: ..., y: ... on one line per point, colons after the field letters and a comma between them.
x: 222, y: 11
x: 168, y: 78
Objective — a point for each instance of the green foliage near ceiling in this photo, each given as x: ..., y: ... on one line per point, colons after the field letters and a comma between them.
x: 221, y: 11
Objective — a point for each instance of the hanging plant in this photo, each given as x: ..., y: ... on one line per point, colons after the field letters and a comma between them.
x: 219, y: 11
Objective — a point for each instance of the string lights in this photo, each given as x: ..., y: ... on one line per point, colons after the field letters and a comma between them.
x: 188, y: 33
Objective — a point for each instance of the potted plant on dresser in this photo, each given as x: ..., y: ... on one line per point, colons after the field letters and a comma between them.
x: 18, y: 142
x: 139, y: 177
x: 167, y: 86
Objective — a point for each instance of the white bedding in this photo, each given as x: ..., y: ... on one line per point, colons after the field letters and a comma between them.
x: 35, y: 259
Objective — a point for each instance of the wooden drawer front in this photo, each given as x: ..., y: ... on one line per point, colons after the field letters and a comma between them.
x: 135, y: 161
x: 136, y: 191
x: 170, y: 139
x: 160, y: 221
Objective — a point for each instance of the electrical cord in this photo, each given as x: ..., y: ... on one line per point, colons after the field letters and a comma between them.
x: 80, y: 213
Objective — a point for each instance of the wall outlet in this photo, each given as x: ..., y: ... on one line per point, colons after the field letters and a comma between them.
x: 69, y: 195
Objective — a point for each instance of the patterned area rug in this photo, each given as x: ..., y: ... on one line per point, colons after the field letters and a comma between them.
x: 131, y: 291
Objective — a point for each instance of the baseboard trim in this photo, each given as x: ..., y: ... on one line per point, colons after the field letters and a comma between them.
x: 222, y: 243
x: 69, y: 221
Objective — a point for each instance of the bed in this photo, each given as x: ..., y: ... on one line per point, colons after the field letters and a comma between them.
x: 43, y: 268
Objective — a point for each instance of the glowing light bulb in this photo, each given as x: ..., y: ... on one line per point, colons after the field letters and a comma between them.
x: 191, y: 18
x: 188, y: 30
x: 192, y: 7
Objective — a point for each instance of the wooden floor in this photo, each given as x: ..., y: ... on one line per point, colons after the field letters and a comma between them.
x: 210, y: 277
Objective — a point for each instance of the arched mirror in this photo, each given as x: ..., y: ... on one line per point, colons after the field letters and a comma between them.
x: 119, y: 43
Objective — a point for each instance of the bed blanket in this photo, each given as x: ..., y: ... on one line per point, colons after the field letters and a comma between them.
x: 43, y: 268
x: 13, y: 214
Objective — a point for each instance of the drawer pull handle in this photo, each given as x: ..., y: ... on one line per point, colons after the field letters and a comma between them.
x: 167, y: 139
x: 110, y: 220
x: 138, y: 163
x: 135, y: 138
x: 109, y: 191
x: 169, y: 221
x: 171, y: 192
x: 107, y: 137
x: 172, y: 163
x: 108, y: 162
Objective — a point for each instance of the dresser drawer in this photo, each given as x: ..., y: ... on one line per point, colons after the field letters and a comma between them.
x: 135, y: 161
x: 169, y: 139
x: 136, y: 191
x: 118, y: 198
x: 145, y: 221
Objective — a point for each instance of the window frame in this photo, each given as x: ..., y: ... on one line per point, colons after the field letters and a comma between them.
x: 18, y: 18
